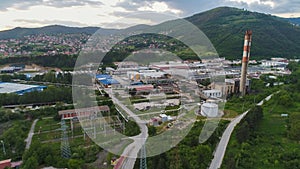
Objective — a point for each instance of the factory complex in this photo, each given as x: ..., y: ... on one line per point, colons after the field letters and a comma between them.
x: 19, y: 89
x: 162, y: 90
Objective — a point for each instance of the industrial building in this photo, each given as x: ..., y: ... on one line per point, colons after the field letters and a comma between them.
x: 230, y: 86
x: 226, y: 88
x: 171, y: 65
x: 19, y: 89
x: 142, y: 88
x: 212, y: 93
x: 156, y: 121
x: 124, y: 67
x: 83, y: 112
x: 11, y: 69
x: 144, y: 75
x: 106, y: 80
x: 275, y: 62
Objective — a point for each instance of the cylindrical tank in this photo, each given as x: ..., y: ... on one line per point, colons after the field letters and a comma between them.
x: 209, y: 110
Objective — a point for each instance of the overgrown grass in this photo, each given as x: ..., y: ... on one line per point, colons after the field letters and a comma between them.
x: 47, y: 125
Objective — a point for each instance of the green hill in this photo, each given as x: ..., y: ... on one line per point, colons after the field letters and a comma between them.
x: 49, y: 30
x: 224, y: 26
x: 272, y: 36
x: 295, y: 21
x: 19, y: 32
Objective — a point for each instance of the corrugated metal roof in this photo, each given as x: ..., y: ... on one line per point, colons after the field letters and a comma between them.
x: 5, y: 161
x: 106, y: 79
x: 6, y: 87
x: 109, y: 81
x: 103, y: 76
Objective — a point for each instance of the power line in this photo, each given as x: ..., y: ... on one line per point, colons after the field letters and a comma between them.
x: 65, y: 147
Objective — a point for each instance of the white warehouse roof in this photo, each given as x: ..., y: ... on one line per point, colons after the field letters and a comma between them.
x: 6, y: 87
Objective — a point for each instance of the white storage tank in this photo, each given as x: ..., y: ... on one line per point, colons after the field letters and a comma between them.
x: 209, y: 110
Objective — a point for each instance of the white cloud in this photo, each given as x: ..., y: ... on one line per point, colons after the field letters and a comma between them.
x: 86, y: 14
x: 260, y: 2
x: 160, y: 7
x: 288, y: 15
x: 81, y: 12
x: 15, y: 13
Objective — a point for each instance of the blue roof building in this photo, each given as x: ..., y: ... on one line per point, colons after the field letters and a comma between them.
x: 103, y: 76
x: 106, y: 80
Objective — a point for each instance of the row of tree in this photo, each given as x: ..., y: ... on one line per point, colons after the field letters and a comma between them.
x: 60, y: 61
x: 65, y: 78
x: 51, y: 94
x: 249, y: 124
x: 9, y: 78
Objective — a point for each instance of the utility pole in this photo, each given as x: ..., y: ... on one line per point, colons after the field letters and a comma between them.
x: 143, y: 161
x: 65, y: 147
x: 3, y: 147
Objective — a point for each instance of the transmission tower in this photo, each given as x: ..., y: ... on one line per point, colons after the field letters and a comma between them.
x: 143, y: 161
x: 65, y: 147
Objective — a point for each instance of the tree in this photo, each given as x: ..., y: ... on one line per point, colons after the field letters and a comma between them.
x: 6, y: 78
x: 285, y: 99
x: 254, y: 117
x: 50, y: 77
x: 49, y: 160
x: 151, y: 131
x: 293, y: 66
x: 205, y: 82
x: 294, y: 131
x: 31, y: 163
x: 75, y: 164
x: 242, y: 132
x: 132, y: 129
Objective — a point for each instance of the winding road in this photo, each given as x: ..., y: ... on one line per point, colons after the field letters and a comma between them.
x: 221, y: 148
x: 131, y: 151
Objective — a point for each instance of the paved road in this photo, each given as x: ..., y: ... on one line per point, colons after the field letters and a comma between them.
x: 131, y: 151
x: 221, y: 148
x: 30, y: 134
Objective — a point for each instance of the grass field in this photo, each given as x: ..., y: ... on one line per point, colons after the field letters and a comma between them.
x: 47, y: 124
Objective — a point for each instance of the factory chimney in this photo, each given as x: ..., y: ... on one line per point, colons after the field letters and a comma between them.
x: 245, y: 60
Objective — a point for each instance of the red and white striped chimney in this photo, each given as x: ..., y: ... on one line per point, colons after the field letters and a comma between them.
x: 245, y: 60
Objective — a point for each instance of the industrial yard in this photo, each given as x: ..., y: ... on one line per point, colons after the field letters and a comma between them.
x: 108, y: 90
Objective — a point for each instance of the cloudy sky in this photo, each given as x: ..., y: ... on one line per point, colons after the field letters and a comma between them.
x: 122, y: 13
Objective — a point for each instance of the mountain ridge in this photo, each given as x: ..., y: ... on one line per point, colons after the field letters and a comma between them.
x: 224, y: 26
x: 295, y: 21
x: 272, y: 36
x: 20, y: 32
